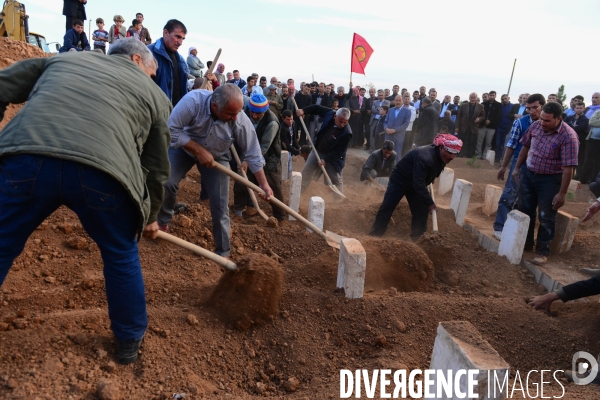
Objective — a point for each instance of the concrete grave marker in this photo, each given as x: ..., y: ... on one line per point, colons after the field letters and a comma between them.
x: 295, y: 188
x: 316, y: 212
x: 490, y: 202
x: 352, y: 267
x: 446, y: 181
x: 459, y: 346
x: 460, y: 199
x: 565, y: 228
x: 514, y: 234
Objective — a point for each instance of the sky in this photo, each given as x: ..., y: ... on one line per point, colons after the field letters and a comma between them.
x: 458, y: 47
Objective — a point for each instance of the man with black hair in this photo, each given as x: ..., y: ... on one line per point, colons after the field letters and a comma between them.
x: 493, y: 112
x: 550, y: 149
x: 380, y: 163
x: 513, y: 147
x: 144, y: 34
x: 75, y: 39
x: 237, y: 80
x: 173, y: 70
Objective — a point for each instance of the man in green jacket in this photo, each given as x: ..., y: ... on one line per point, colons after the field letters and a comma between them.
x: 108, y: 166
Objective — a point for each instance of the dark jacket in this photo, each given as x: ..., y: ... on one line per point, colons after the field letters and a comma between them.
x: 72, y: 7
x: 288, y: 145
x: 579, y: 289
x: 337, y: 155
x: 417, y: 169
x: 448, y: 123
x: 241, y: 84
x: 375, y: 162
x: 164, y: 74
x: 453, y: 108
x: 144, y: 36
x: 493, y: 112
x: 273, y: 154
x: 127, y: 140
x: 515, y: 111
x: 427, y: 126
x: 325, y: 100
x: 71, y: 40
x: 463, y: 123
x: 579, y: 125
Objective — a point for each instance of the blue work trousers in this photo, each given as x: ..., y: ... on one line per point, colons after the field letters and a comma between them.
x: 33, y: 186
x: 538, y: 191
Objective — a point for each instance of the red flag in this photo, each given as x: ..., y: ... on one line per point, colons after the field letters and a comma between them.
x: 361, y: 52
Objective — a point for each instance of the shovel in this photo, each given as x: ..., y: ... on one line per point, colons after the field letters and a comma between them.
x: 210, y: 70
x: 330, y: 240
x: 198, y: 250
x: 250, y: 191
x: 433, y: 213
x: 331, y: 185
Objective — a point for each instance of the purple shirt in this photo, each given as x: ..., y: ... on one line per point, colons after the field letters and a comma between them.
x: 549, y: 152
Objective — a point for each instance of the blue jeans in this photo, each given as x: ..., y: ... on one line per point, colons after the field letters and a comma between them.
x: 538, y: 190
x: 507, y: 199
x: 394, y: 193
x: 33, y: 186
x: 216, y: 185
x: 500, y: 140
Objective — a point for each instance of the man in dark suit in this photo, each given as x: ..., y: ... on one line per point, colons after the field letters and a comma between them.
x: 520, y: 109
x: 237, y: 80
x: 467, y: 124
x: 74, y: 9
x: 427, y: 123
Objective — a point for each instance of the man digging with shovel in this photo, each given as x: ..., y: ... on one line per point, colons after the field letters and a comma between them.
x: 331, y: 143
x: 203, y: 125
x: 411, y: 177
x: 107, y: 166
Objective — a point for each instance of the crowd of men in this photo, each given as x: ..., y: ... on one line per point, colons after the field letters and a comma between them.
x: 125, y: 186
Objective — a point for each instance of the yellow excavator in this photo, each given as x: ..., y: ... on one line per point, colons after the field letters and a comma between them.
x: 14, y: 24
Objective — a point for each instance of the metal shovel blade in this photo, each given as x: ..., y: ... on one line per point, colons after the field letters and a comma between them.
x: 333, y: 239
x: 337, y: 191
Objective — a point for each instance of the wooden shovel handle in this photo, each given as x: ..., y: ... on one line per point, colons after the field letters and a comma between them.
x: 272, y: 199
x: 198, y: 250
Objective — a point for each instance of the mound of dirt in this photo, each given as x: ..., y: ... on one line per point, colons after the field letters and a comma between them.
x: 12, y: 51
x: 249, y: 295
x: 397, y: 263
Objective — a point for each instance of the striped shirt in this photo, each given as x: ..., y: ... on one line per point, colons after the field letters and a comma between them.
x: 191, y: 120
x: 549, y: 152
x: 519, y: 127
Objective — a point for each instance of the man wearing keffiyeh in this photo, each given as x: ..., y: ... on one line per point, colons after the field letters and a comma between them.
x: 411, y: 177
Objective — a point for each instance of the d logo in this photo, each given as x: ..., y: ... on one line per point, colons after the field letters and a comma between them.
x: 580, y: 368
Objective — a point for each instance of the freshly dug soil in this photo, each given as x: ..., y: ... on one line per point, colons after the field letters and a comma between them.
x: 56, y: 343
x: 12, y: 51
x: 249, y: 295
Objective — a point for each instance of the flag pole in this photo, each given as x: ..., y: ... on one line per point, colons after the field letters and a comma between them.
x: 511, y: 76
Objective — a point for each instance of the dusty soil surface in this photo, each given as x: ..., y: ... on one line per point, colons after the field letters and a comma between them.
x: 56, y: 343
x: 12, y: 51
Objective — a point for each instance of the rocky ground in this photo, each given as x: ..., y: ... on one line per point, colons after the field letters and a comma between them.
x: 56, y: 343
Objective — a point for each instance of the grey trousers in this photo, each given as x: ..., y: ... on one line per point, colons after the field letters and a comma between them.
x: 311, y: 167
x: 216, y: 184
x: 488, y: 135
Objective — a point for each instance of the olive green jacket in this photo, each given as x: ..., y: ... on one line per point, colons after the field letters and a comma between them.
x: 102, y: 111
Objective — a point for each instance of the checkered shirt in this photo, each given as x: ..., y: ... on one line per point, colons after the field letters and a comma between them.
x: 549, y: 152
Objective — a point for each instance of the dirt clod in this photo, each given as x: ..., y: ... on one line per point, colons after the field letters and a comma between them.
x: 77, y: 242
x: 291, y: 385
x: 272, y: 222
x: 250, y: 295
x: 108, y: 390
